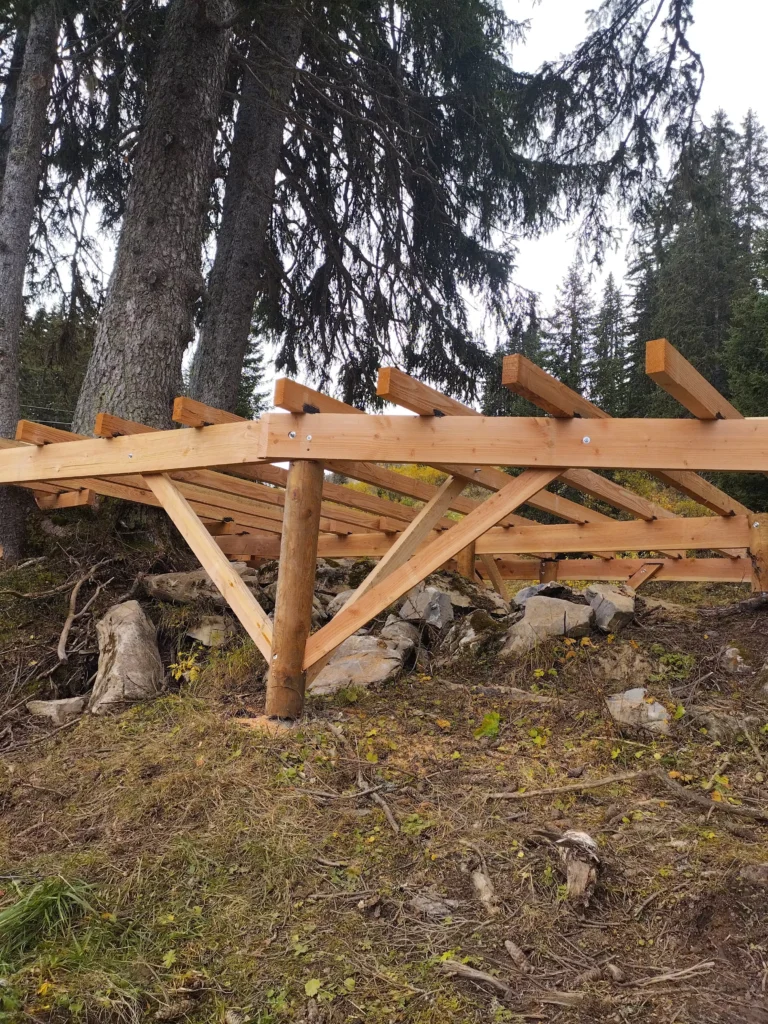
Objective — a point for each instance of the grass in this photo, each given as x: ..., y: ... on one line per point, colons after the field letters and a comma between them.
x: 44, y: 911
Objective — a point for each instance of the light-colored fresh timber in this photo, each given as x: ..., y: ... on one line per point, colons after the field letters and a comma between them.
x: 67, y: 499
x: 701, y: 533
x: 234, y: 591
x: 159, y: 452
x: 295, y: 590
x: 408, y: 542
x: 758, y: 552
x: 190, y: 413
x: 423, y: 400
x: 672, y: 372
x: 547, y: 570
x: 526, y: 379
x: 107, y: 425
x: 488, y: 563
x: 646, y: 572
x: 542, y: 389
x: 528, y: 442
x: 465, y: 561
x: 679, y: 570
x: 428, y: 558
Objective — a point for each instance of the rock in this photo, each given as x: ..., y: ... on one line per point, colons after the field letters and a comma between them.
x: 428, y: 605
x: 722, y: 727
x: 187, y: 587
x: 755, y: 874
x: 614, y: 607
x: 210, y: 631
x: 551, y: 589
x: 465, y: 595
x: 130, y: 668
x: 466, y: 634
x: 732, y: 662
x: 622, y: 665
x: 633, y: 710
x: 364, y: 661
x: 400, y: 632
x: 337, y: 603
x: 546, y: 617
x: 59, y: 711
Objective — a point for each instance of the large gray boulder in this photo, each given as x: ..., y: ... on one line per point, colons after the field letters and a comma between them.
x: 427, y: 605
x: 466, y: 595
x: 130, y: 668
x: 546, y: 617
x: 337, y: 603
x: 632, y: 710
x: 614, y: 606
x: 367, y: 660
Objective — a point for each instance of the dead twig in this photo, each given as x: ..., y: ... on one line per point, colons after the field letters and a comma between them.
x: 455, y: 969
x: 706, y: 803
x: 39, y: 739
x: 573, y: 787
x: 73, y: 614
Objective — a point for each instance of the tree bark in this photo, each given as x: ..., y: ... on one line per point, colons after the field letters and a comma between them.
x: 10, y: 93
x: 147, y: 320
x: 248, y: 198
x: 17, y: 207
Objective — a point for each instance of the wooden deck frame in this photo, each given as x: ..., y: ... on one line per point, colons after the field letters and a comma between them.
x: 218, y: 483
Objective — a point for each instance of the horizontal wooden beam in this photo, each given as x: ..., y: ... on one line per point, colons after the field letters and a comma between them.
x: 525, y: 378
x: 707, y: 533
x: 651, y: 444
x: 162, y: 451
x: 67, y: 499
x: 682, y: 570
x: 672, y: 372
x: 191, y: 413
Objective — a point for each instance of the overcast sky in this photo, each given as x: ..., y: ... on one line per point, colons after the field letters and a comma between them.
x: 731, y: 38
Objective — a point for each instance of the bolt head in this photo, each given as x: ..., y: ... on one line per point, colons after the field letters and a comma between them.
x: 292, y: 434
x: 586, y: 440
x: 755, y: 526
x: 309, y: 437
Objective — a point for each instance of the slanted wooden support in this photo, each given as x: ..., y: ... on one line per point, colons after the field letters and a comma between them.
x: 234, y: 591
x: 672, y: 372
x: 758, y: 552
x: 465, y: 561
x: 426, y: 560
x: 295, y: 590
x: 494, y: 575
x: 646, y: 572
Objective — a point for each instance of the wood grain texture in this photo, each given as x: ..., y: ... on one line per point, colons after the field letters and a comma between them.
x: 646, y: 572
x: 672, y: 372
x: 428, y: 558
x: 239, y: 598
x: 295, y: 590
x: 758, y: 552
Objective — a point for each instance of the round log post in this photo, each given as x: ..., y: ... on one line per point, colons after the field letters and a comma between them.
x: 758, y: 552
x: 465, y: 561
x: 295, y: 590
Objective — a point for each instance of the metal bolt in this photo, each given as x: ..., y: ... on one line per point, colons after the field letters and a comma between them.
x: 292, y: 434
x: 478, y: 470
x: 755, y: 526
x: 586, y: 440
x: 130, y: 455
x: 309, y: 437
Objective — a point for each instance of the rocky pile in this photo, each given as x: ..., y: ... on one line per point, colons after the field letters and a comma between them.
x: 435, y: 623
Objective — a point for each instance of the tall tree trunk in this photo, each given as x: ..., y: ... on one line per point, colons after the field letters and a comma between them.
x: 10, y: 93
x: 248, y: 198
x: 147, y: 320
x: 17, y: 207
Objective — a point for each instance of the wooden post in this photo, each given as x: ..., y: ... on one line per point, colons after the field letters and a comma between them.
x: 758, y: 552
x: 547, y: 570
x: 465, y: 561
x: 295, y: 589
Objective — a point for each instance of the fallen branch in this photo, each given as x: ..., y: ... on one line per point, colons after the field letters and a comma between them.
x: 750, y: 604
x: 573, y: 787
x: 706, y: 803
x: 459, y: 970
x: 73, y: 615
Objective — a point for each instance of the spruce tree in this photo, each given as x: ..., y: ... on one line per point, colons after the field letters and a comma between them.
x: 568, y: 331
x: 524, y: 339
x: 607, y: 366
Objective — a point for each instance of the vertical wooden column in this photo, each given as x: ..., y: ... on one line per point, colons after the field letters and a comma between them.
x: 547, y: 570
x: 295, y: 589
x: 465, y: 561
x: 758, y: 552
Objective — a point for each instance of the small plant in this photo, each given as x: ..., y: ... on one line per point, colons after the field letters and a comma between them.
x: 43, y: 912
x: 186, y: 667
x: 489, y: 727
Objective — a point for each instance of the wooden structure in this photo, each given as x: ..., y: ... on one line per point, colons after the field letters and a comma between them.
x: 222, y: 484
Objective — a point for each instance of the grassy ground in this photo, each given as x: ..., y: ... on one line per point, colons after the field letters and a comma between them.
x: 171, y: 862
